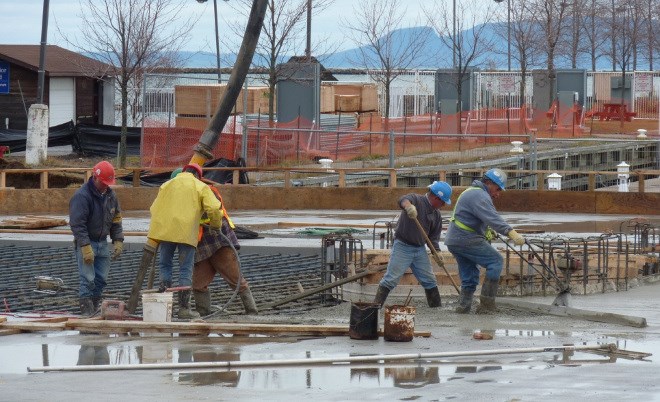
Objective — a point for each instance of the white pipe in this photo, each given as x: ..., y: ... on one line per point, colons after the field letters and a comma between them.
x: 321, y: 360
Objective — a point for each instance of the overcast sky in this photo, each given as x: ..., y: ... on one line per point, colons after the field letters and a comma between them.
x: 21, y: 21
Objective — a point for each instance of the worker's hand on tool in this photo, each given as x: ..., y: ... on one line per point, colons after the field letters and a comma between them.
x: 517, y: 239
x: 87, y: 254
x: 411, y: 211
x: 119, y: 247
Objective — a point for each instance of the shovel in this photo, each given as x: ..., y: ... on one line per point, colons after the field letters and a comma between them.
x: 563, y: 289
x: 436, y: 257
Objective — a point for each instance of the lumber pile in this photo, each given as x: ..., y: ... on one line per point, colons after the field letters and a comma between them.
x: 32, y: 222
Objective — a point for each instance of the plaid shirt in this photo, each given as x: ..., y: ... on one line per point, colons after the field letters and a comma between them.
x: 212, y: 241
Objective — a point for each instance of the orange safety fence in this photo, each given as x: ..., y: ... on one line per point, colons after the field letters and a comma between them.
x: 300, y: 141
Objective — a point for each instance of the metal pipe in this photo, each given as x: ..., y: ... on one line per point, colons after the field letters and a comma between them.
x: 380, y: 359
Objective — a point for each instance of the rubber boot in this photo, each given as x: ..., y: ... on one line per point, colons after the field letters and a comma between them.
x: 96, y: 301
x: 185, y: 312
x: 86, y: 307
x: 464, y: 301
x: 381, y: 295
x: 248, y: 302
x: 203, y: 303
x: 433, y: 297
x: 487, y: 297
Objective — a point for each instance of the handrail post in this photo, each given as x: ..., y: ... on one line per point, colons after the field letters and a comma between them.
x: 287, y: 178
x: 136, y: 177
x: 592, y: 181
x: 43, y: 180
x: 641, y: 183
x: 3, y: 179
x: 392, y: 178
x: 236, y: 176
x: 342, y: 178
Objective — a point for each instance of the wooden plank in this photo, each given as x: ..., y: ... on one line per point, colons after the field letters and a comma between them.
x: 561, y: 311
x: 34, y: 326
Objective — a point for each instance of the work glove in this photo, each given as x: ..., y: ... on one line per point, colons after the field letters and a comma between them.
x: 517, y: 239
x: 119, y: 247
x: 411, y: 211
x: 87, y: 254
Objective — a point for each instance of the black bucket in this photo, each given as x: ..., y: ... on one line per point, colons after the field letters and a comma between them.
x: 364, y: 321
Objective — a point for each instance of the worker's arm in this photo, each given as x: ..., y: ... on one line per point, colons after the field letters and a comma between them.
x: 410, y: 209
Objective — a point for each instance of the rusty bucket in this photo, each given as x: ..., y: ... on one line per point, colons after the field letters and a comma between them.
x: 399, y: 323
x: 364, y: 321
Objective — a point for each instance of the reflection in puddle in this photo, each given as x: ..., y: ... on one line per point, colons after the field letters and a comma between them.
x: 418, y: 374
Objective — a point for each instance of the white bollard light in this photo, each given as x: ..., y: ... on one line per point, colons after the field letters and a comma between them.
x: 554, y: 181
x: 623, y: 170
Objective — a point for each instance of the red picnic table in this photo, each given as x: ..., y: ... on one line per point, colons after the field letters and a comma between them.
x: 614, y: 111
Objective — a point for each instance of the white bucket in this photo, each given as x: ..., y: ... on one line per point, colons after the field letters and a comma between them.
x: 157, y: 307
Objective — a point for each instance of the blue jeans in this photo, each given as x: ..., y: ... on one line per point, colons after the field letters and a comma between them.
x: 93, y: 276
x: 186, y: 261
x: 404, y: 256
x: 476, y: 252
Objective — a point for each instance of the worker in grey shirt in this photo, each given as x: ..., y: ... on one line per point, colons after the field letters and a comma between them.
x: 473, y: 224
x: 408, y: 249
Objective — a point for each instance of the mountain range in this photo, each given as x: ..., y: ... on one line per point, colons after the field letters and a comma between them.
x: 435, y: 54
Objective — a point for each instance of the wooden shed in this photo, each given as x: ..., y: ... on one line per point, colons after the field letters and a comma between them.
x: 76, y: 88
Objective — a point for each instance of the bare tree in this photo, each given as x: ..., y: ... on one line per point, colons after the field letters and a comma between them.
x: 281, y: 36
x: 595, y: 30
x: 550, y: 17
x: 465, y: 33
x: 134, y: 36
x: 381, y: 49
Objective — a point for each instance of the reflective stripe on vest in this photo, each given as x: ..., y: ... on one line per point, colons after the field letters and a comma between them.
x: 222, y: 207
x: 453, y: 218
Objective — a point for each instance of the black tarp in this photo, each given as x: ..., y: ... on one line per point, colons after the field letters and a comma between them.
x: 101, y: 140
x: 59, y: 135
x: 219, y: 176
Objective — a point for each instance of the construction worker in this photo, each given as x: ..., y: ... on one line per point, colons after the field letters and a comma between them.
x: 175, y: 215
x: 408, y: 248
x: 216, y: 254
x: 473, y: 224
x: 94, y: 214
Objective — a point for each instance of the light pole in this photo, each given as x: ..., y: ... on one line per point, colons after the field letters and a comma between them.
x: 508, y: 32
x: 217, y: 37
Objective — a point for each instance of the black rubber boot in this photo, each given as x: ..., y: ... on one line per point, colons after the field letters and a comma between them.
x: 248, y: 302
x: 381, y: 295
x: 487, y: 297
x: 86, y: 307
x: 433, y: 297
x: 203, y: 303
x: 96, y: 301
x: 465, y: 301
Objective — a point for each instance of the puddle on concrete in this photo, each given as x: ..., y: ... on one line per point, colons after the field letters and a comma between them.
x: 103, y: 351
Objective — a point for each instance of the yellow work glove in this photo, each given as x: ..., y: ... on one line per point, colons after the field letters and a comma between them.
x: 119, y: 247
x: 517, y: 239
x: 411, y: 211
x: 87, y: 254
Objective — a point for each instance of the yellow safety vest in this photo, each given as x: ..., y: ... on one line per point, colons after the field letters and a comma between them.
x: 490, y: 233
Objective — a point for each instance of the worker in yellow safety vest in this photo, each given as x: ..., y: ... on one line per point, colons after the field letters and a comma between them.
x: 473, y: 224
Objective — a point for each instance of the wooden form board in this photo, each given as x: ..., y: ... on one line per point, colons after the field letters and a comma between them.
x: 193, y: 328
x: 32, y: 222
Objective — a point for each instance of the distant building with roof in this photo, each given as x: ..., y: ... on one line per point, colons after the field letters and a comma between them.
x: 76, y: 88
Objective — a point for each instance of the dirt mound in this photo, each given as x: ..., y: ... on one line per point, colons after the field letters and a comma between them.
x: 25, y: 180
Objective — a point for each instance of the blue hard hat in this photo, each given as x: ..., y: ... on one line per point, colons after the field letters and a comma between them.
x: 441, y: 190
x: 497, y: 176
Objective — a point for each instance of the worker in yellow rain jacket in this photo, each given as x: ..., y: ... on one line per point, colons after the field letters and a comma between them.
x: 175, y: 215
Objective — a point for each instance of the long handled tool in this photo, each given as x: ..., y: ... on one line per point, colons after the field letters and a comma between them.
x: 435, y: 254
x: 563, y: 289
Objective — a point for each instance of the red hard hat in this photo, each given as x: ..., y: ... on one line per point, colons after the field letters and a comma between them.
x: 105, y: 172
x: 195, y: 167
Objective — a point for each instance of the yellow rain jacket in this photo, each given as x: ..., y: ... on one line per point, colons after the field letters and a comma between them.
x: 178, y: 207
